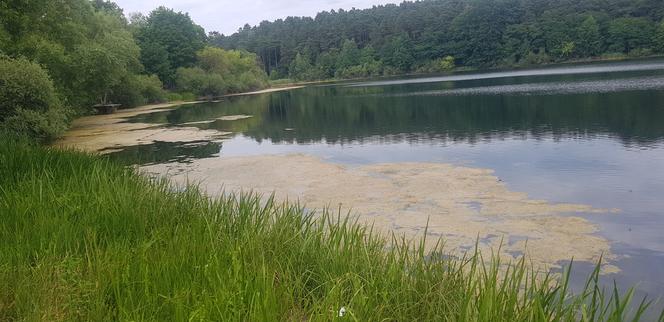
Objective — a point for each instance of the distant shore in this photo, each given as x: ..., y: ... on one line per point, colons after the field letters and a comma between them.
x: 464, y: 69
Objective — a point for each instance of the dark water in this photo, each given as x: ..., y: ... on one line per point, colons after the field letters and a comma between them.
x: 590, y: 134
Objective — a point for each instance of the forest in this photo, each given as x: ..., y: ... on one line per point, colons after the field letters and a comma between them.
x: 435, y: 36
x: 59, y: 58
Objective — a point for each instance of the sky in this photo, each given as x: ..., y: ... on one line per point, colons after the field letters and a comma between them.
x: 227, y: 16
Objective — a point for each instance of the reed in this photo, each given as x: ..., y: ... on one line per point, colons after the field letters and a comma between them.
x: 83, y: 238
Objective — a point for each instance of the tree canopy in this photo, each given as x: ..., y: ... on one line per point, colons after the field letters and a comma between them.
x: 78, y: 53
x: 168, y: 40
x: 416, y: 36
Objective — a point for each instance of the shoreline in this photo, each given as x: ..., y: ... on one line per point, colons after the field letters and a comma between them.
x: 463, y: 70
x: 386, y: 195
x: 102, y: 133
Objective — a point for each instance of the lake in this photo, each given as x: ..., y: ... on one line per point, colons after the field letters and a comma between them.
x: 586, y: 135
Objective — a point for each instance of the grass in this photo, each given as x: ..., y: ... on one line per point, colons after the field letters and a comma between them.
x: 82, y: 238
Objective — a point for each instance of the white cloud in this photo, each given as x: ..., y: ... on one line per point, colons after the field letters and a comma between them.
x: 227, y: 16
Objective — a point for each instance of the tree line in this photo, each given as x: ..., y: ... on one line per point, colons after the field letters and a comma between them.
x: 438, y: 35
x: 59, y: 58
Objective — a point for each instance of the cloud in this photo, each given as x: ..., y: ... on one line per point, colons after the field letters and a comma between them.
x: 227, y: 16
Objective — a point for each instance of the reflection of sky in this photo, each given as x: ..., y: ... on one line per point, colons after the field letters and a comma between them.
x: 600, y: 172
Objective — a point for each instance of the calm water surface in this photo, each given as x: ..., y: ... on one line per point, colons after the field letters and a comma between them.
x: 591, y: 134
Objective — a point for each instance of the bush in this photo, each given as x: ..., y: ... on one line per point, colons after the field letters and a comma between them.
x: 173, y: 97
x: 152, y: 89
x: 28, y: 101
x: 185, y: 96
x: 196, y: 80
x: 440, y: 65
x: 135, y: 90
x: 640, y: 52
x: 127, y: 93
x: 43, y: 127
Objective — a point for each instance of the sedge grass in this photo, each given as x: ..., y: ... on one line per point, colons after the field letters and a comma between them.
x: 82, y: 238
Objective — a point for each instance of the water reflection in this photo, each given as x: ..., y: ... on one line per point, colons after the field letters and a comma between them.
x: 163, y: 152
x: 335, y: 116
x: 595, y: 136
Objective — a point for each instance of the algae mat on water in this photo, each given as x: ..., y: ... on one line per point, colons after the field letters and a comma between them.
x: 459, y: 204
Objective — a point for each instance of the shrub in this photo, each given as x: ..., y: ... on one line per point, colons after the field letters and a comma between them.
x: 640, y: 52
x: 200, y: 82
x: 173, y: 97
x: 137, y: 90
x: 440, y: 65
x: 152, y: 89
x: 28, y: 101
x: 184, y: 96
x: 42, y: 127
x: 127, y: 93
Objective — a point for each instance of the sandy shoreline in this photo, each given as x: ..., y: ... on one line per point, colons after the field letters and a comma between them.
x: 106, y: 132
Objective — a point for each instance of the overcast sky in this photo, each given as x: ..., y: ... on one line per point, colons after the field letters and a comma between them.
x: 226, y: 16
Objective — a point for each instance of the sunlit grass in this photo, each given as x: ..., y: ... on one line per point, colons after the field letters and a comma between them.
x: 82, y: 238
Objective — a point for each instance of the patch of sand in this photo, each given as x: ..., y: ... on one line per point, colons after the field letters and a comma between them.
x: 111, y: 132
x: 460, y: 204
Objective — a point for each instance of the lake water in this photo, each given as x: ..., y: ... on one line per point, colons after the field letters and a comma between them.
x: 591, y: 134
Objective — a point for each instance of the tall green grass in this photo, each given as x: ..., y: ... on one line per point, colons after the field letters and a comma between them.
x: 82, y: 238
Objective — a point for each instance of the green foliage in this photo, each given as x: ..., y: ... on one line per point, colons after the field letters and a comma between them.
x: 439, y: 65
x: 477, y: 33
x: 86, y: 239
x: 4, y: 40
x: 219, y: 72
x: 85, y: 46
x: 627, y: 34
x: 135, y: 90
x: 397, y: 53
x: 659, y: 38
x: 151, y: 88
x: 28, y: 101
x: 101, y: 66
x: 589, y: 38
x: 169, y: 40
x: 301, y: 68
x: 349, y: 55
x: 198, y: 81
x: 42, y: 127
x: 177, y: 97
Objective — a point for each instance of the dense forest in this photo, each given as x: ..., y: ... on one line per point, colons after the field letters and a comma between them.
x: 437, y: 35
x: 59, y: 58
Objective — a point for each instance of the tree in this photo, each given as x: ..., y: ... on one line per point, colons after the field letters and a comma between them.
x: 349, y: 54
x: 397, y: 53
x: 169, y: 40
x: 197, y: 81
x: 477, y: 33
x: 589, y: 43
x: 221, y: 71
x: 102, y: 63
x: 28, y: 100
x: 627, y: 34
x: 301, y: 68
x: 659, y: 38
